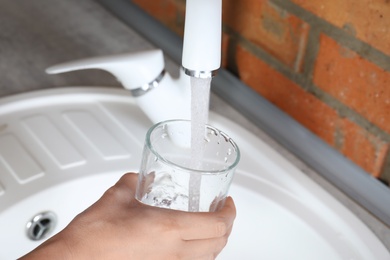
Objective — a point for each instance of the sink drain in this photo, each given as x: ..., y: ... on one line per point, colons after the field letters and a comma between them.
x: 41, y: 225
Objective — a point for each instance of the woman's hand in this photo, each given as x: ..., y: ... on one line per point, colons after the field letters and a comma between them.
x: 118, y: 226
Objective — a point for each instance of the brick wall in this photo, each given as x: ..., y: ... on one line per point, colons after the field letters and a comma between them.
x: 325, y: 63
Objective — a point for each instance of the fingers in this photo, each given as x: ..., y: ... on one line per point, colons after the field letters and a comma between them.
x: 209, y: 224
x: 129, y: 180
x: 190, y: 226
x: 200, y: 249
x: 123, y: 191
x: 229, y: 210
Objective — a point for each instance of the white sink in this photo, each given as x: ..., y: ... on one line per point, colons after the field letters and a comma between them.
x: 55, y: 143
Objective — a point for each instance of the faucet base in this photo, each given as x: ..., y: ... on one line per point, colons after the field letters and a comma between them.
x: 200, y: 74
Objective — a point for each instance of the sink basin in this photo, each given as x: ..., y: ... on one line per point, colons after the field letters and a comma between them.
x: 55, y: 143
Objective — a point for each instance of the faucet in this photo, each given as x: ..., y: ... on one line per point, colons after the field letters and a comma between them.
x: 143, y: 73
x: 201, y: 56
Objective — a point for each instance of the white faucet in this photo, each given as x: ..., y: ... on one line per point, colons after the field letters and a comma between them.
x: 159, y: 95
x: 202, y: 38
x: 143, y: 73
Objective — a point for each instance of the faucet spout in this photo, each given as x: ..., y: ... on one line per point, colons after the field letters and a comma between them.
x: 159, y: 95
x: 202, y: 38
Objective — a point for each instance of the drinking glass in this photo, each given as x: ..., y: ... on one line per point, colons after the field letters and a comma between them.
x: 170, y: 178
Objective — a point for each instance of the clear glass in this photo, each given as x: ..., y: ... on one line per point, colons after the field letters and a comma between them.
x: 167, y: 178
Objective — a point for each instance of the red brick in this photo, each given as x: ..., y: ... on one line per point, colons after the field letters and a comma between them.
x: 356, y: 82
x: 275, y: 30
x: 301, y: 105
x: 369, y: 20
x: 224, y: 49
x: 363, y: 148
x: 169, y: 12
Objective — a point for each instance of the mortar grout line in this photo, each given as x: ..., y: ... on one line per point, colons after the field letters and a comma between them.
x: 362, y: 48
x: 304, y: 81
x: 265, y: 56
x: 347, y: 112
x: 310, y: 58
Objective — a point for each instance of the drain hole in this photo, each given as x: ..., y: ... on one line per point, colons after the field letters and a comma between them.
x: 41, y: 225
x: 45, y: 221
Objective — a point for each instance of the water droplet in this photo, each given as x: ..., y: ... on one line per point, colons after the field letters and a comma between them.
x: 226, y: 159
x: 229, y: 151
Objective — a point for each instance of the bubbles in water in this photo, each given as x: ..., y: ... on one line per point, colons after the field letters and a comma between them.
x: 166, y: 202
x: 166, y: 193
x: 200, y: 93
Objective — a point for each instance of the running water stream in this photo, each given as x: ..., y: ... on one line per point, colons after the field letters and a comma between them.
x: 200, y: 95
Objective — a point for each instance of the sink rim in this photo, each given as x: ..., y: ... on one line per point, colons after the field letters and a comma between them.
x: 304, y: 182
